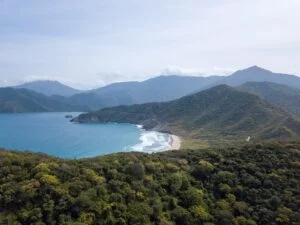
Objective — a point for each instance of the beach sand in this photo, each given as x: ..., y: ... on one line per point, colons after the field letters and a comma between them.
x: 175, y: 143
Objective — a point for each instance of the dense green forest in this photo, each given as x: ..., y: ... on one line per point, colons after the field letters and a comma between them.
x: 285, y: 97
x: 255, y: 184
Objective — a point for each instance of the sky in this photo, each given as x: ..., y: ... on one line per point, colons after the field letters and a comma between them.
x: 92, y: 43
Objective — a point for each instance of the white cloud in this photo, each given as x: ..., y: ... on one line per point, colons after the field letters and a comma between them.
x: 73, y: 42
x: 216, y: 70
x: 3, y: 83
x: 175, y: 70
x: 223, y: 71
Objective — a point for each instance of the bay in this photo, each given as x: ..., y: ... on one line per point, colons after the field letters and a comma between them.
x: 53, y: 134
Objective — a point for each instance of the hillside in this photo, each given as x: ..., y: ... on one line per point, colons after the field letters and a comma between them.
x: 157, y: 89
x: 258, y: 74
x: 218, y: 113
x: 22, y: 100
x: 281, y: 95
x: 49, y: 88
x: 256, y: 184
x: 171, y: 87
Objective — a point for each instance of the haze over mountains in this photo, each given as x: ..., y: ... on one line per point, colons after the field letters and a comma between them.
x: 157, y: 89
x: 259, y: 74
x: 14, y: 100
x: 166, y: 88
x: 48, y: 87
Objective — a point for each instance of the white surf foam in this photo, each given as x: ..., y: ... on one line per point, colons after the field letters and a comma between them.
x: 152, y: 141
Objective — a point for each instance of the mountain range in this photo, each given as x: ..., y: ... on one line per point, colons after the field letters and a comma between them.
x: 162, y: 89
x: 166, y: 88
x: 23, y: 100
x: 221, y: 112
x: 48, y: 87
x: 285, y: 97
x: 259, y: 74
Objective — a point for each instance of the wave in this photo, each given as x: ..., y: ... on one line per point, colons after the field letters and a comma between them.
x: 152, y: 141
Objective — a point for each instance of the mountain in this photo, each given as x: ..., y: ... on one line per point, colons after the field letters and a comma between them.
x: 49, y: 88
x: 257, y: 74
x: 23, y: 100
x: 218, y: 114
x: 167, y: 88
x: 283, y: 96
x: 157, y: 89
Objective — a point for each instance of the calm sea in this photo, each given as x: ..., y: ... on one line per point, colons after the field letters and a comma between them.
x: 53, y: 134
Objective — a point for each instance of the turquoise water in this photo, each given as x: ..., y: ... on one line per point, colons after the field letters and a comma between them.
x: 53, y: 134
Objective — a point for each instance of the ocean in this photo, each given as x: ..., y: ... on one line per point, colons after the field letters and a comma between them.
x: 55, y: 135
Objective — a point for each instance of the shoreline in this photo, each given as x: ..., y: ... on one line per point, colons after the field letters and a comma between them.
x: 174, y: 140
x: 175, y: 143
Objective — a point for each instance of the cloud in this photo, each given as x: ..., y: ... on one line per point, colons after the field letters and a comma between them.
x: 223, y: 71
x: 74, y: 42
x: 3, y: 83
x: 216, y: 70
x: 105, y: 78
x: 175, y: 70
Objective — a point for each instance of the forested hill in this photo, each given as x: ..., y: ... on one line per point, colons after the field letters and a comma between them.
x: 171, y: 87
x: 239, y: 186
x: 23, y: 100
x: 219, y: 112
x: 283, y: 96
x: 49, y: 87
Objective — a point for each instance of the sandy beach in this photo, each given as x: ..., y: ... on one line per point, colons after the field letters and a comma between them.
x: 175, y: 143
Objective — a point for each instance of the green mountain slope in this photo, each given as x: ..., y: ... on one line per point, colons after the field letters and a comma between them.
x: 171, y: 87
x: 253, y: 185
x: 218, y: 113
x: 157, y: 89
x: 22, y: 100
x: 281, y: 95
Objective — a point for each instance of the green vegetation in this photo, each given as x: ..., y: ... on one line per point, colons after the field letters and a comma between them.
x: 283, y: 96
x: 255, y: 184
x: 157, y: 89
x: 220, y: 116
x: 22, y: 100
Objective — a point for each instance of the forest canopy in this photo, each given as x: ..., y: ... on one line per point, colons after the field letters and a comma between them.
x: 255, y: 184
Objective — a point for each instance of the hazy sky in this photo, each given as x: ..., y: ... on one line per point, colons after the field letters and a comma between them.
x: 95, y: 42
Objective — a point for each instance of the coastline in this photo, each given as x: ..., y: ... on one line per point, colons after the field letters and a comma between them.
x: 175, y: 143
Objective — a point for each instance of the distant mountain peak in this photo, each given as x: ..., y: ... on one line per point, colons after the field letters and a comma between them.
x: 49, y: 87
x: 255, y: 69
x: 44, y: 81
